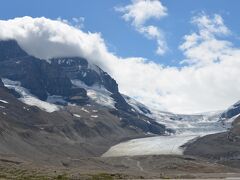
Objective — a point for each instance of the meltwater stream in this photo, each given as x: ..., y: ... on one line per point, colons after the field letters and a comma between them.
x: 187, y: 127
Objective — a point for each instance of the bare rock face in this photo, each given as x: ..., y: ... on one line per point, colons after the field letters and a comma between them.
x: 10, y: 49
x: 83, y: 128
x: 38, y: 76
x: 43, y: 78
x: 222, y: 147
x: 236, y: 128
x: 91, y: 75
x: 232, y: 111
x: 29, y: 133
x: 1, y: 83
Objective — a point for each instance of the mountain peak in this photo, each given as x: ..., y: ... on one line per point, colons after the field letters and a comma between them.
x: 10, y: 49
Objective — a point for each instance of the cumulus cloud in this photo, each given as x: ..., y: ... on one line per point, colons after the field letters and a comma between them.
x: 209, y: 80
x: 205, y: 46
x: 45, y: 38
x: 142, y: 10
x: 139, y: 12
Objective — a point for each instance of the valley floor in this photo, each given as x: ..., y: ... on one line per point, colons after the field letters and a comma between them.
x: 137, y: 167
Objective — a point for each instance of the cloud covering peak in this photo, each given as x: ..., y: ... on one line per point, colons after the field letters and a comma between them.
x: 209, y: 81
x: 45, y: 38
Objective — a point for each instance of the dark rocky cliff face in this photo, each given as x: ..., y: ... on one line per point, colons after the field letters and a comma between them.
x: 1, y: 83
x: 10, y: 49
x: 42, y: 78
x: 84, y: 129
x: 38, y: 76
x: 91, y: 75
x: 80, y: 69
x: 232, y: 111
x: 236, y: 128
x: 222, y: 147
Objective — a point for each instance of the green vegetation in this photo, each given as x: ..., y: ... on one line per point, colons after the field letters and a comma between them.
x: 102, y: 176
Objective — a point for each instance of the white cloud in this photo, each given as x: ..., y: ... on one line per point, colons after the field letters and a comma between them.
x: 142, y: 10
x: 152, y: 32
x: 204, y: 47
x: 210, y: 81
x: 139, y: 12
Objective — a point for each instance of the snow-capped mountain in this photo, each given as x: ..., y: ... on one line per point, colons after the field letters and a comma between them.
x: 70, y: 102
x: 63, y: 106
x: 63, y: 81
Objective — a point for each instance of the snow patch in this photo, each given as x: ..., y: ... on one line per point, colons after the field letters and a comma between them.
x: 77, y: 115
x: 28, y: 98
x: 33, y: 101
x: 97, y: 93
x: 85, y: 110
x: 94, y: 116
x: 25, y: 108
x: 3, y: 101
x: 135, y: 104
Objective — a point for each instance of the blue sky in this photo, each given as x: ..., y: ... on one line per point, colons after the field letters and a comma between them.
x: 120, y: 36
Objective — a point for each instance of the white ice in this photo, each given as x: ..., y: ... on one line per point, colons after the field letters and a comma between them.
x: 98, y: 94
x: 77, y: 115
x: 187, y: 127
x: 28, y: 98
x: 150, y: 146
x: 3, y: 101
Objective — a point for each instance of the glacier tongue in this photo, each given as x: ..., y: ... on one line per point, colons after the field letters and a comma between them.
x: 187, y: 128
x: 150, y: 146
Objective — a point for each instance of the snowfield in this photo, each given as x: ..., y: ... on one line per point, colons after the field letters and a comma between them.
x: 28, y: 98
x: 98, y: 94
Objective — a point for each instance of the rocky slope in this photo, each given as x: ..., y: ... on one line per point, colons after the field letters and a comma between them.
x: 64, y: 108
x: 222, y: 147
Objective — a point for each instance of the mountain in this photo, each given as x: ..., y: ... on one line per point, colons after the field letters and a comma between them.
x: 82, y: 74
x: 38, y: 76
x: 66, y: 108
x: 62, y: 108
x: 232, y: 111
x: 222, y: 147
